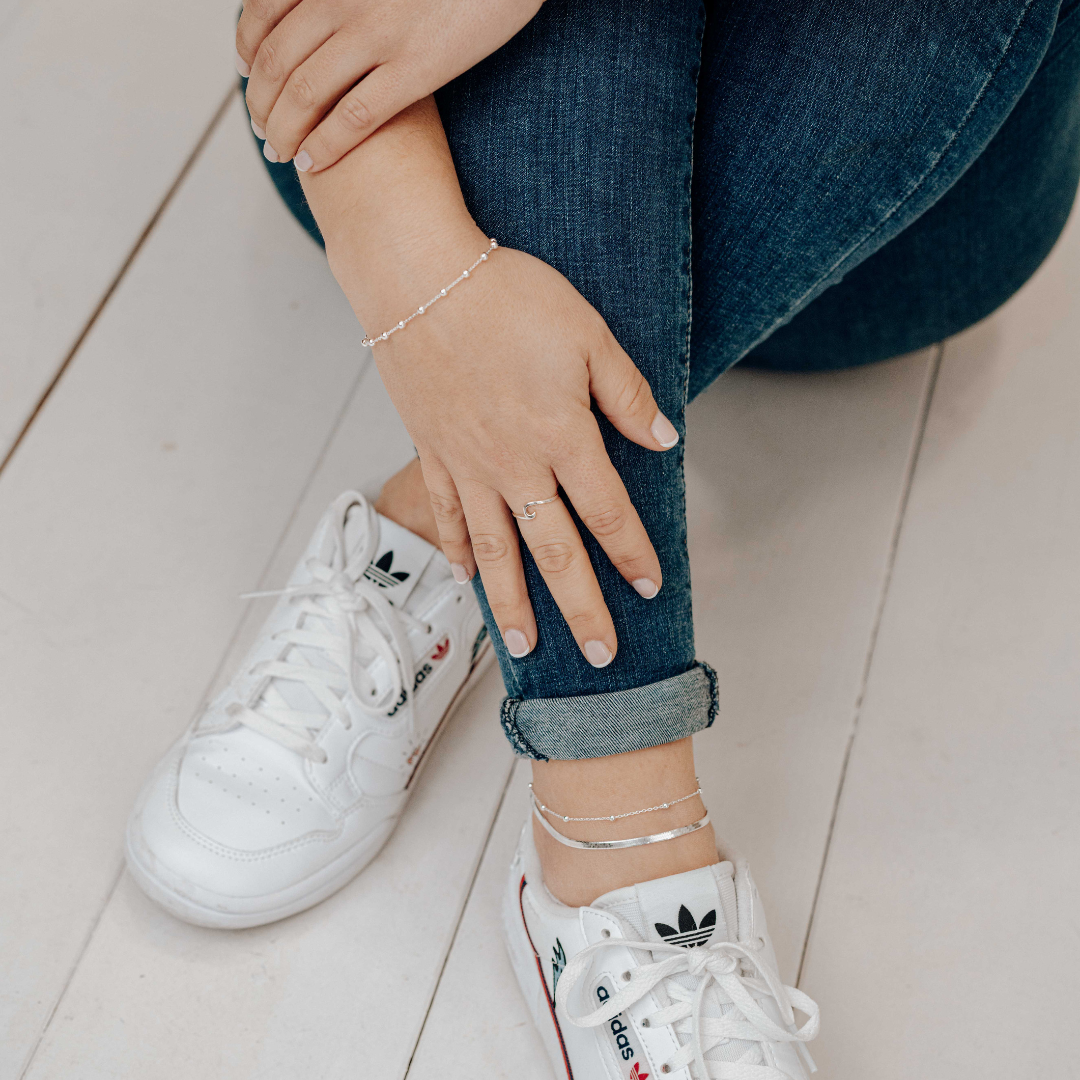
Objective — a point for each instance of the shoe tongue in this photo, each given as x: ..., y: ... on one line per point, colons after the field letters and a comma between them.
x: 689, y: 909
x: 400, y: 560
x: 400, y: 557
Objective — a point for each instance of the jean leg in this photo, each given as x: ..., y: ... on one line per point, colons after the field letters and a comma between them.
x: 970, y: 251
x: 824, y: 130
x: 574, y: 142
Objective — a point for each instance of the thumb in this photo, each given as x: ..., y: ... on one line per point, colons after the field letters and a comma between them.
x: 625, y: 398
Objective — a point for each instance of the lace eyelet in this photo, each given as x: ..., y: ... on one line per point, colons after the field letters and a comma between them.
x: 626, y: 976
x: 605, y: 933
x: 665, y: 1068
x: 645, y: 1023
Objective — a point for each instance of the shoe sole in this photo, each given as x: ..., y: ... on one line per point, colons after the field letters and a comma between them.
x: 527, y: 965
x: 221, y: 912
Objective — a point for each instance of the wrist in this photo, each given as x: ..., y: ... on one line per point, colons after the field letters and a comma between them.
x: 388, y: 271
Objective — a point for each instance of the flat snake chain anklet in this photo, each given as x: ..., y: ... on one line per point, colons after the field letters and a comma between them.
x: 492, y: 245
x: 613, y: 845
x: 614, y: 817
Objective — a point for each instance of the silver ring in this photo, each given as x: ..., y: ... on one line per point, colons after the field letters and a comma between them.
x: 527, y: 514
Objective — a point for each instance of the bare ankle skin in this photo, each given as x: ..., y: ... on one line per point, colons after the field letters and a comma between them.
x: 616, y: 785
x: 404, y: 500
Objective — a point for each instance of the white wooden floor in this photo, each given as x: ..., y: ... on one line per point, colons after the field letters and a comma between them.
x: 887, y: 578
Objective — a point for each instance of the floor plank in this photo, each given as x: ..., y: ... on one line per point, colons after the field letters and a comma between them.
x: 794, y: 485
x: 479, y: 1024
x: 103, y: 103
x: 945, y: 942
x: 151, y: 491
x: 338, y: 990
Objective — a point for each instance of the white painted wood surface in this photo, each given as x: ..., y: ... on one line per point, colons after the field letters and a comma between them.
x: 795, y: 486
x: 945, y: 942
x: 150, y: 492
x: 103, y: 103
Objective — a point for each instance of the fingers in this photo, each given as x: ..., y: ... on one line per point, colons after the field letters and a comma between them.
x: 449, y: 518
x: 599, y: 496
x: 308, y: 93
x: 498, y: 558
x: 562, y: 560
x: 379, y: 96
x: 257, y: 19
x: 299, y: 35
x: 624, y: 397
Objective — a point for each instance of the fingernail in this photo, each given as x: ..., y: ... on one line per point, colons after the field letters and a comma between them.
x: 597, y: 653
x: 270, y: 153
x: 303, y: 161
x: 645, y: 587
x: 517, y: 644
x: 260, y: 133
x: 242, y: 66
x: 663, y: 431
x: 461, y: 576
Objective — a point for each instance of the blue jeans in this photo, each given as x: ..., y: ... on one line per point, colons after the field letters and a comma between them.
x: 840, y: 182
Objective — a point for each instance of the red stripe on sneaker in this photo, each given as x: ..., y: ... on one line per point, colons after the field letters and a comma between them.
x: 543, y: 981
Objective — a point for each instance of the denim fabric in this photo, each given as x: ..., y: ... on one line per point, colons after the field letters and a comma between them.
x: 595, y: 725
x: 840, y: 181
x: 970, y: 251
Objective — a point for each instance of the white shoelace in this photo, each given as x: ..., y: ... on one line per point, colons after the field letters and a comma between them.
x: 336, y: 611
x: 737, y: 976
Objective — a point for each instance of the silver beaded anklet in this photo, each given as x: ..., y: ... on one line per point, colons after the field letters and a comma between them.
x: 612, y: 845
x: 493, y: 244
x: 614, y: 817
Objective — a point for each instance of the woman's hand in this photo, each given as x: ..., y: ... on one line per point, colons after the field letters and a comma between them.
x: 494, y: 386
x: 325, y: 74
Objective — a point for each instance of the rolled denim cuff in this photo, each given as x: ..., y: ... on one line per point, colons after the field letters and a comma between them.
x: 595, y: 725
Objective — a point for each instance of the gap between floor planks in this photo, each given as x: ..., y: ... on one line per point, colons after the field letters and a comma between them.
x: 114, y: 284
x: 894, y: 544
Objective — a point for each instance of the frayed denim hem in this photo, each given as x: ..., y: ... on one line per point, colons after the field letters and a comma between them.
x: 596, y: 725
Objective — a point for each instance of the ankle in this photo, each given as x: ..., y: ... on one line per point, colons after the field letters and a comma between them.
x: 620, y: 785
x: 577, y: 878
x: 404, y: 500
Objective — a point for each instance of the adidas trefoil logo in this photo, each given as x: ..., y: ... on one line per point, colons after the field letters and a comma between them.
x: 382, y: 575
x: 690, y: 933
x: 636, y: 1073
x: 558, y: 963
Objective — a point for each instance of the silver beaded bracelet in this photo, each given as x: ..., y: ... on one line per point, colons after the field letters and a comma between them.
x: 493, y: 244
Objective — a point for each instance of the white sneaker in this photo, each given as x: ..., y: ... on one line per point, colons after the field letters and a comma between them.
x: 295, y: 776
x: 673, y: 977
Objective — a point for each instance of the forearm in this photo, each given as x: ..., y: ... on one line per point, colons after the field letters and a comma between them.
x: 391, y: 212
